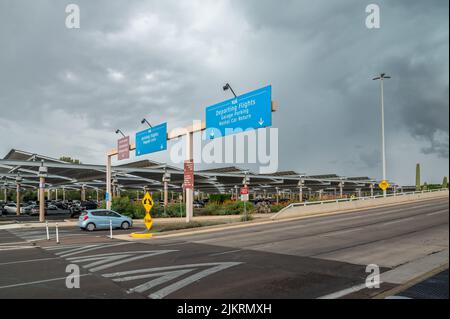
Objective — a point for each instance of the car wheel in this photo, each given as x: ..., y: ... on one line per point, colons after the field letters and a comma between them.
x: 90, y: 227
x: 125, y: 225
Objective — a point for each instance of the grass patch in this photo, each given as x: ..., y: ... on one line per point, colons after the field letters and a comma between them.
x: 179, y: 226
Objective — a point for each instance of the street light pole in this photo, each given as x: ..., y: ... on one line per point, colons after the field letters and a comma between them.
x: 383, y: 144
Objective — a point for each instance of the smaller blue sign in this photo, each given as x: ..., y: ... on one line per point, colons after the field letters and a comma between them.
x: 151, y: 140
x: 107, y: 196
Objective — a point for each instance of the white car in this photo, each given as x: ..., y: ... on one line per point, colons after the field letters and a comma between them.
x: 10, y: 208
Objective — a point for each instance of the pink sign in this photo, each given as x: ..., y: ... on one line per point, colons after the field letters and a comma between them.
x: 123, y: 148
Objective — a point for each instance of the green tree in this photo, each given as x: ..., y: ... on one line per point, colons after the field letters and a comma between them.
x: 445, y: 182
x: 418, y: 185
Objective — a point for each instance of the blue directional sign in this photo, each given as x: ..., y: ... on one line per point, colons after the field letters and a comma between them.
x: 252, y: 110
x: 151, y: 140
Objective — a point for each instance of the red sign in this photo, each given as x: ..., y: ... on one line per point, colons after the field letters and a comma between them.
x: 189, y: 174
x: 244, y: 191
x: 123, y: 148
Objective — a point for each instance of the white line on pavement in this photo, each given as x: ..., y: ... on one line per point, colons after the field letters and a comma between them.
x: 27, y: 261
x: 39, y: 282
x: 398, y: 221
x: 344, y: 292
x: 226, y: 252
x: 8, y: 248
x: 438, y: 212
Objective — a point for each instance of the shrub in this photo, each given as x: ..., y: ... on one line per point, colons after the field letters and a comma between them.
x: 276, y: 208
x: 123, y: 206
x: 219, y: 198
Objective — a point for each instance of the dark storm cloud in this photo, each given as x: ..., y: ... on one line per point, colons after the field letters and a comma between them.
x: 167, y: 60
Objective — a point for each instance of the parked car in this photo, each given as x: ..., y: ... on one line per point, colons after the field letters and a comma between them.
x: 78, y: 207
x: 35, y: 211
x: 26, y: 209
x: 52, y: 207
x: 10, y: 208
x: 91, y: 220
x: 198, y: 204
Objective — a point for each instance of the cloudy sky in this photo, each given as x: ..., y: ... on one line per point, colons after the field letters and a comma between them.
x: 65, y: 91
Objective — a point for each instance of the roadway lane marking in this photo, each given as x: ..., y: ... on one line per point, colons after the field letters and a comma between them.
x: 342, y: 231
x: 104, y: 261
x: 8, y: 248
x: 76, y: 251
x: 344, y: 292
x: 398, y: 221
x: 39, y: 281
x: 175, y: 244
x: 438, y: 212
x: 27, y: 261
x: 167, y: 274
x: 226, y: 252
x: 15, y: 243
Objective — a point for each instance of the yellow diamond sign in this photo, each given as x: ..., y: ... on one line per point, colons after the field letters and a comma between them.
x: 384, y: 185
x: 148, y: 221
x: 147, y: 202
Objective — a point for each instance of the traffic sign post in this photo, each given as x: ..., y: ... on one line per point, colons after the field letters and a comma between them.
x: 384, y: 185
x: 252, y: 110
x: 123, y: 148
x: 148, y: 204
x: 244, y: 198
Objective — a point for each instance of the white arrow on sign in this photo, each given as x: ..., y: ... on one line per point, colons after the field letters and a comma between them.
x: 166, y: 274
x: 261, y: 121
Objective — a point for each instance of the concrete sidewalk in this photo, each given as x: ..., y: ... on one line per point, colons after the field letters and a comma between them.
x: 161, y: 221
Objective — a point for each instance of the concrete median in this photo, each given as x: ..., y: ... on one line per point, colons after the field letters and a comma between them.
x: 299, y: 210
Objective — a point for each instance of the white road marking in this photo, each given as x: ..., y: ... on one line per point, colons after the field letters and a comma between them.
x: 438, y: 212
x: 15, y: 243
x: 169, y: 273
x: 344, y: 292
x: 176, y: 244
x: 88, y: 248
x: 398, y: 221
x: 27, y: 261
x: 226, y: 252
x: 338, y: 232
x: 38, y: 282
x: 7, y: 248
x: 104, y: 261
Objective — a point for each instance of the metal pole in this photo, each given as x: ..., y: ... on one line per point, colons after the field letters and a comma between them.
x: 57, y: 233
x: 110, y: 229
x: 56, y: 194
x: 18, y: 199
x: 64, y: 194
x: 382, y: 134
x: 41, y: 199
x: 189, y: 191
x: 46, y: 230
x: 108, y: 182
x: 166, y: 194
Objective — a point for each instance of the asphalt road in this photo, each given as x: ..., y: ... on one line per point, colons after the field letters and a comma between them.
x: 308, y: 258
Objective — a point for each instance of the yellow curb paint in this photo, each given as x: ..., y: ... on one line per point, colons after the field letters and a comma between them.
x: 137, y: 235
